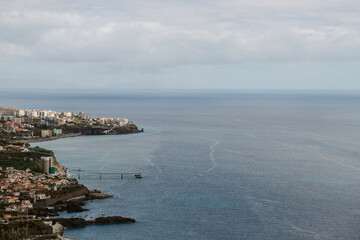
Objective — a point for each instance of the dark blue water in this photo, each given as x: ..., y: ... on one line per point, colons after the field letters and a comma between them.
x: 218, y: 165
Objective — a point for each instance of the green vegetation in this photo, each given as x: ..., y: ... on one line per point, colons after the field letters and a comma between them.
x: 20, y: 164
x: 42, y: 151
x: 23, y: 160
x: 84, y: 121
x: 16, y: 229
x: 21, y: 144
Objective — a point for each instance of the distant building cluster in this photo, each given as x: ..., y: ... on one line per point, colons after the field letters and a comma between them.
x: 113, y: 121
x: 40, y: 117
x: 10, y: 148
x: 47, y: 122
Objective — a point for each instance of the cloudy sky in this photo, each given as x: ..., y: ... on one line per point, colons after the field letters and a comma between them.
x: 231, y: 44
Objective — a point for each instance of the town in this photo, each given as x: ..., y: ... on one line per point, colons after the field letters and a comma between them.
x: 20, y: 124
x: 33, y: 185
x: 30, y: 177
x: 20, y: 190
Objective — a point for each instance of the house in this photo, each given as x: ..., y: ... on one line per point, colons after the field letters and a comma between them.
x: 67, y: 114
x: 57, y: 132
x: 10, y: 199
x: 10, y: 128
x: 12, y: 208
x: 36, y: 121
x: 25, y: 201
x: 24, y: 149
x: 41, y: 196
x: 46, y: 133
x: 26, y: 205
x: 31, y: 113
x: 20, y: 113
x: 19, y: 120
x: 7, y: 118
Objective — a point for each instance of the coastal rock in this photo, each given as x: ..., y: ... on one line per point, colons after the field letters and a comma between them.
x: 75, y: 207
x: 58, y: 229
x: 72, y: 222
x: 47, y: 237
x: 81, y: 222
x: 97, y: 194
x: 113, y: 219
x: 44, y: 212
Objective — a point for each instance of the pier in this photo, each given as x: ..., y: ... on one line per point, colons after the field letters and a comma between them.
x: 135, y: 174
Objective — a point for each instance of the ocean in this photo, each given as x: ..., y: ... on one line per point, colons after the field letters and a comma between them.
x: 216, y: 164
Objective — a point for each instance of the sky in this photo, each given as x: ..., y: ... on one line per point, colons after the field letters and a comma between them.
x: 180, y: 44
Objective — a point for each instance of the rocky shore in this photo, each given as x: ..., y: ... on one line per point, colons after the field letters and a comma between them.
x: 70, y: 197
x: 34, y: 185
x: 97, y: 194
x: 34, y: 140
x: 76, y: 131
x: 73, y: 199
x: 81, y: 222
x: 52, y: 228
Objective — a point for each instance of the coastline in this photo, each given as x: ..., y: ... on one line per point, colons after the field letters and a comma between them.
x: 34, y: 185
x: 35, y: 140
x: 69, y: 198
x: 74, y: 202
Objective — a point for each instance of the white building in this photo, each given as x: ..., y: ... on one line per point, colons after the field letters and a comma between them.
x: 19, y: 119
x: 7, y: 118
x: 46, y: 133
x: 31, y: 113
x: 21, y: 113
x: 41, y: 196
x: 67, y: 114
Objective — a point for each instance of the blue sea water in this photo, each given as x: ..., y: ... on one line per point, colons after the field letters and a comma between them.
x: 217, y: 165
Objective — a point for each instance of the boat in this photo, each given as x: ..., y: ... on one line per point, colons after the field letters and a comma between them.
x: 138, y: 175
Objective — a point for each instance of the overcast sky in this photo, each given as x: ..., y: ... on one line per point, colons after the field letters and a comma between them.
x: 244, y: 44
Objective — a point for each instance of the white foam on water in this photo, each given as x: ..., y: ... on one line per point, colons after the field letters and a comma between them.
x: 211, y: 153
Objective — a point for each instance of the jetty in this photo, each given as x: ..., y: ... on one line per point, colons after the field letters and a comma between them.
x: 135, y: 174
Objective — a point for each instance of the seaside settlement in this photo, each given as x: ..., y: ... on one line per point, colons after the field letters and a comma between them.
x: 42, y: 124
x: 33, y: 186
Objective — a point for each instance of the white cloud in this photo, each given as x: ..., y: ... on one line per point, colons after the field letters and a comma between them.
x: 151, y: 36
x: 13, y: 50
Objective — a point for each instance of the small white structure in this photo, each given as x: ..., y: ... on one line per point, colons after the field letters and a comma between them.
x: 46, y: 133
x: 42, y: 196
x: 21, y: 113
x: 67, y: 114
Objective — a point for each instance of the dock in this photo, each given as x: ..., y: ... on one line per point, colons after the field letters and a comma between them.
x: 135, y: 174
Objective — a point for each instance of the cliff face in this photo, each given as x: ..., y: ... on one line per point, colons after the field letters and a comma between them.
x: 131, y: 128
x: 57, y: 165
